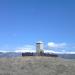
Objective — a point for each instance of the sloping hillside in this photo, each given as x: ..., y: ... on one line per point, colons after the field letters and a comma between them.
x: 36, y: 66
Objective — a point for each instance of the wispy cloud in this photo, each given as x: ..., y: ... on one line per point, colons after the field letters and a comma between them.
x: 56, y: 45
x: 53, y: 48
x: 60, y: 52
x: 31, y: 48
x: 52, y: 45
x: 26, y: 48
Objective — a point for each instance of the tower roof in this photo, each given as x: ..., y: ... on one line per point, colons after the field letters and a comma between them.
x: 39, y: 42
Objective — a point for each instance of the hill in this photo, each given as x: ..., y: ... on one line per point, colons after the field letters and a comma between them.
x: 36, y: 65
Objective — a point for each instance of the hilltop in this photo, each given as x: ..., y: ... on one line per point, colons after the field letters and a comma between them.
x: 36, y: 65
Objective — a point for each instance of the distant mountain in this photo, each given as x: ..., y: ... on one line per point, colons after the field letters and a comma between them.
x: 67, y: 56
x: 10, y: 54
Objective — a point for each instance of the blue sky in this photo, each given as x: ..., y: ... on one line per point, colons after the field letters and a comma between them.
x: 23, y: 22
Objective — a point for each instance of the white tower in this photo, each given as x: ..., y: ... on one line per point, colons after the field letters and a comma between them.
x: 39, y: 46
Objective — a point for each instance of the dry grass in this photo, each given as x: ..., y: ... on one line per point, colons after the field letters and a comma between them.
x: 36, y: 66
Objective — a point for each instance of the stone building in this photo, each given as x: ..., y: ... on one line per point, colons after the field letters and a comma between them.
x: 39, y: 47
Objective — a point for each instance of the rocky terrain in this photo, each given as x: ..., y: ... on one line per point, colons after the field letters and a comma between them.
x: 36, y: 65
